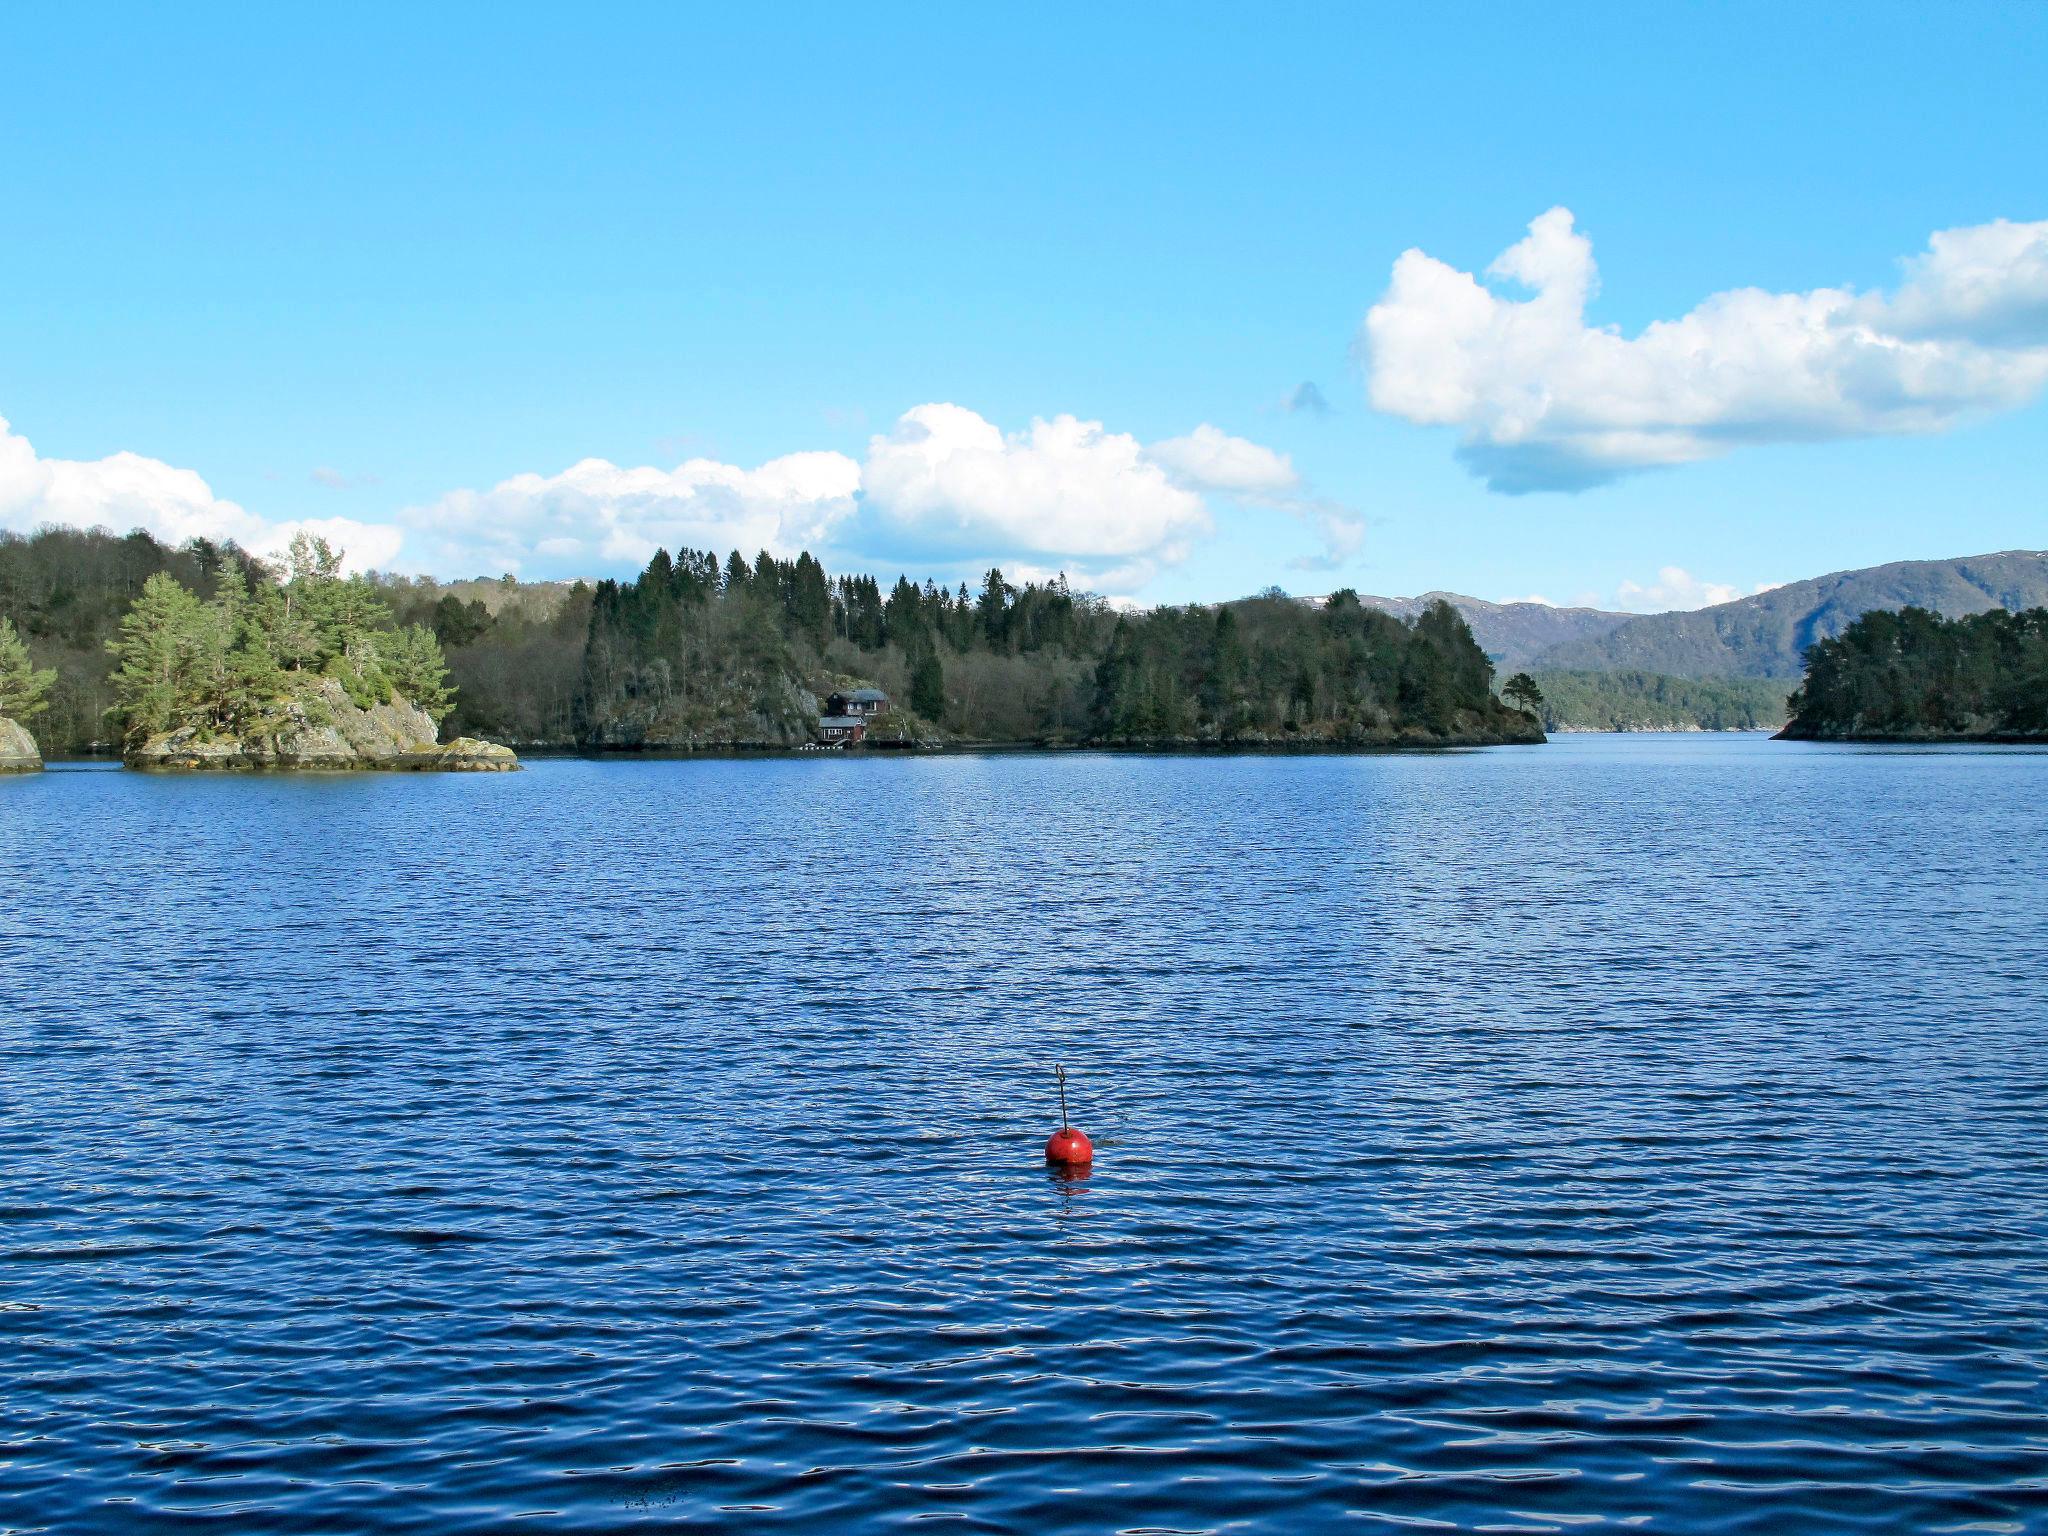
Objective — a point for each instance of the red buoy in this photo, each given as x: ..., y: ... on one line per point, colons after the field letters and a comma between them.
x: 1068, y: 1146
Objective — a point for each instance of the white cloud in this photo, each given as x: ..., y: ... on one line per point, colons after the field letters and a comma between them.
x: 1987, y: 283
x: 1210, y: 459
x: 596, y: 513
x: 1544, y: 401
x: 126, y: 491
x: 1065, y: 487
x: 1112, y: 509
x: 1677, y: 589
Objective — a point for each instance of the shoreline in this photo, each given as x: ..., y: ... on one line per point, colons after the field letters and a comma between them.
x: 529, y: 751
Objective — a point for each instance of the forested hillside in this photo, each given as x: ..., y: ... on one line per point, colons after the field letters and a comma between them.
x: 693, y: 653
x: 1650, y: 701
x: 1915, y: 676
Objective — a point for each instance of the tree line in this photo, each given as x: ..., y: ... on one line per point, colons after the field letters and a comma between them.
x: 696, y: 645
x: 1914, y: 673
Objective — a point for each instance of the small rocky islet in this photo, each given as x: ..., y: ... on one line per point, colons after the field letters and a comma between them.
x: 288, y: 667
x: 324, y: 730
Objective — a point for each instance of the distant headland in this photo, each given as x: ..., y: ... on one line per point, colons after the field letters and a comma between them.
x: 1916, y: 676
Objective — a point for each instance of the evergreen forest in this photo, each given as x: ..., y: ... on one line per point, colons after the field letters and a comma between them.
x: 1913, y: 675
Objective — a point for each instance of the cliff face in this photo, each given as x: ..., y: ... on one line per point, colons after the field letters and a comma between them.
x: 18, y: 752
x: 742, y: 708
x: 324, y: 730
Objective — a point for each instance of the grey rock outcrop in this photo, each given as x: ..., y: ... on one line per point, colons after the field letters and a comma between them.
x: 323, y: 729
x: 18, y: 752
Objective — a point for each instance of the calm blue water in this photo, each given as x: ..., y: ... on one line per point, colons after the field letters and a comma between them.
x: 1641, y: 1133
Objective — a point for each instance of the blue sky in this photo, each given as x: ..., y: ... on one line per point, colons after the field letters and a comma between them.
x: 372, y: 265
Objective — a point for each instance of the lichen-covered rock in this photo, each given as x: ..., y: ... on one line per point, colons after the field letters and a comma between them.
x: 18, y: 752
x: 465, y: 754
x: 323, y: 729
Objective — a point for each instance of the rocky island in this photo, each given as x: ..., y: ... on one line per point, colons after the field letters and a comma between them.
x: 302, y: 669
x: 322, y: 728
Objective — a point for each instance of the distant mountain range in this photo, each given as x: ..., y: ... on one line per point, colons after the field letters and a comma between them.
x: 1513, y: 634
x: 1761, y: 636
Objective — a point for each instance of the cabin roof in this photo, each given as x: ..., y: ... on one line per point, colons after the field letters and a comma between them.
x: 868, y: 696
x: 841, y: 720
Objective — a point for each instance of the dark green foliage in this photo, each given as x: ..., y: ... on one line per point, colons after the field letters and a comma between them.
x: 928, y: 686
x: 1649, y: 701
x: 1273, y: 669
x: 23, y: 685
x: 1915, y: 674
x: 674, y: 654
x: 460, y: 623
x: 1522, y: 692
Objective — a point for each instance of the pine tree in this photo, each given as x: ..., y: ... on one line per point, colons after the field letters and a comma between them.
x: 928, y: 686
x: 156, y: 677
x: 1522, y: 692
x: 811, y: 601
x: 413, y: 662
x: 22, y: 685
x: 991, y: 610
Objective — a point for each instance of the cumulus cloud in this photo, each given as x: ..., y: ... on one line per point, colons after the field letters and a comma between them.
x: 125, y: 491
x: 1545, y: 402
x: 1210, y: 459
x: 597, y: 513
x: 1678, y: 589
x: 1111, y: 509
x: 1064, y: 487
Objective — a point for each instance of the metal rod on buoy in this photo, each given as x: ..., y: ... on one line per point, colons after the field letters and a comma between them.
x: 1068, y: 1146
